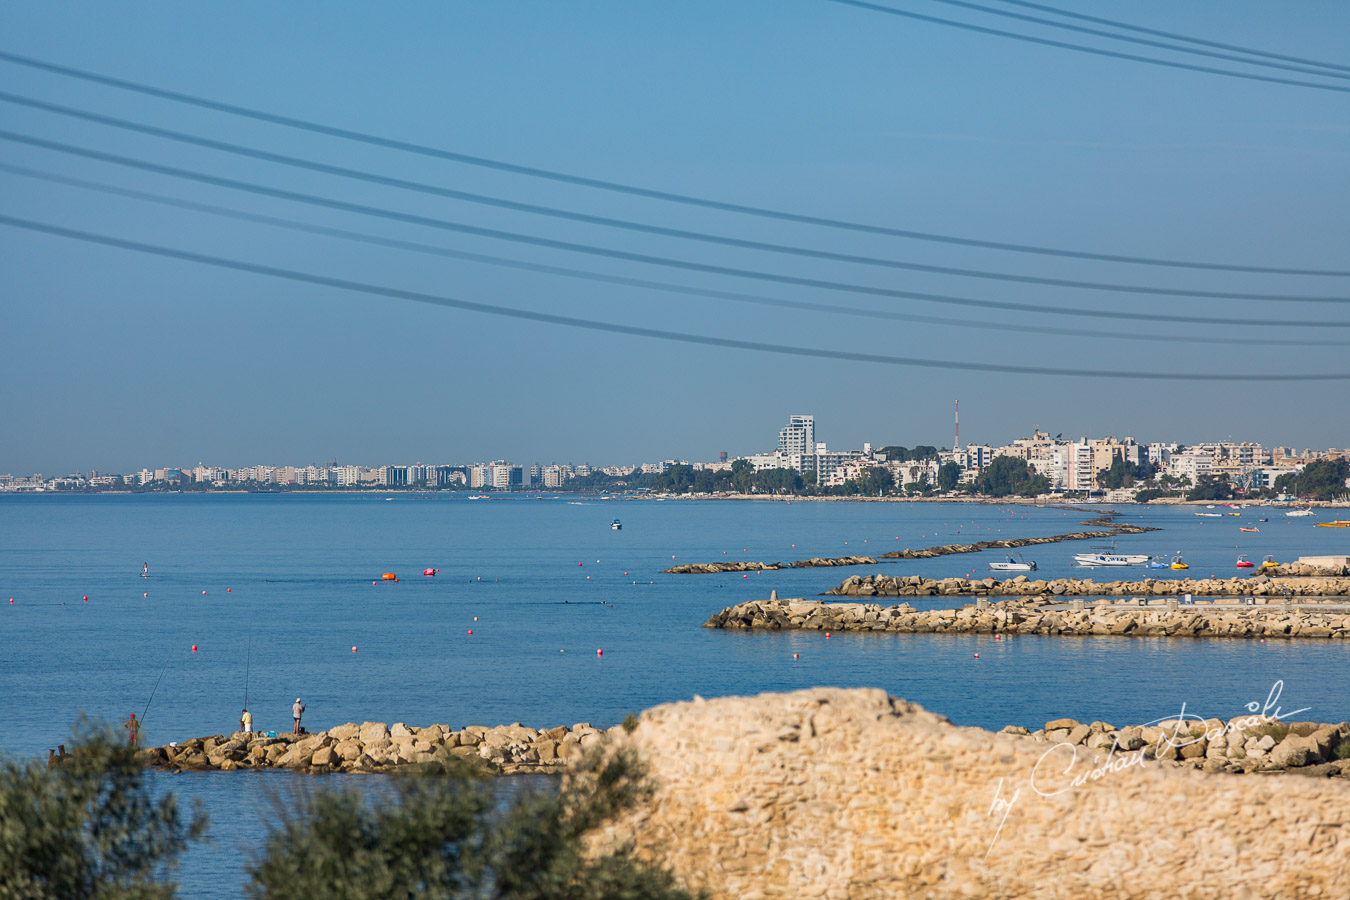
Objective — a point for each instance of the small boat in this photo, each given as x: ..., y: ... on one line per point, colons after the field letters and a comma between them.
x: 1339, y: 523
x: 1178, y: 562
x: 1245, y: 563
x: 1263, y: 519
x: 1210, y: 515
x: 1232, y: 514
x: 1157, y: 565
x: 1249, y: 529
x: 1297, y: 513
x: 616, y: 525
x: 1269, y: 563
x: 1100, y: 559
x: 1013, y: 565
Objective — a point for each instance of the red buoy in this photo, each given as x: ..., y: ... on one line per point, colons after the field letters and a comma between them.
x: 194, y: 648
x: 353, y: 649
x: 203, y: 593
x: 470, y: 631
x: 428, y: 572
x: 599, y: 652
x: 86, y: 598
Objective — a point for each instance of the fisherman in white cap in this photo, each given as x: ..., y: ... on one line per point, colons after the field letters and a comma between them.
x: 296, y: 712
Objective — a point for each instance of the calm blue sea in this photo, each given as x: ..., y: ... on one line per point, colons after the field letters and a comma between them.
x: 275, y: 591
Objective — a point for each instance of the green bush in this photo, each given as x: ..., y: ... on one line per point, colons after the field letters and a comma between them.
x: 444, y: 839
x: 87, y: 827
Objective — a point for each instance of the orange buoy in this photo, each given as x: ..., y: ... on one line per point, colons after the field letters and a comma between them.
x: 389, y: 576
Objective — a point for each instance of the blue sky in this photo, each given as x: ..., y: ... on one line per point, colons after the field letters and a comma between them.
x: 112, y: 360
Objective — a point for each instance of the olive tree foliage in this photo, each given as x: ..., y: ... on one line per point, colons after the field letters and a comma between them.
x: 88, y: 826
x: 445, y: 838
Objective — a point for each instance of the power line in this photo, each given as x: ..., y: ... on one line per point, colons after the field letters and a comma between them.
x: 629, y: 256
x: 628, y: 225
x: 1081, y: 48
x: 831, y: 309
x: 964, y: 4
x: 639, y: 331
x: 633, y: 190
x: 1179, y: 37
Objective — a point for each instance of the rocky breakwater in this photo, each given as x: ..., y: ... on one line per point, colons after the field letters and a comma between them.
x: 815, y: 562
x: 1011, y: 543
x: 1037, y: 617
x: 1253, y: 743
x: 852, y: 794
x: 377, y: 747
x: 1021, y: 586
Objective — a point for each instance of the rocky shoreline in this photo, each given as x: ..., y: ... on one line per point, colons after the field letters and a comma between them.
x: 1245, y: 744
x: 376, y: 747
x: 1262, y: 588
x: 1040, y: 617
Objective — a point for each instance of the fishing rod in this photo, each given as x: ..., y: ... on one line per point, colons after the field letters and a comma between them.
x: 167, y: 656
x: 247, y: 659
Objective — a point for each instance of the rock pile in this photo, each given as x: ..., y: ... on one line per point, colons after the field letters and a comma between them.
x: 1303, y: 570
x: 1021, y: 586
x: 1254, y: 743
x: 714, y: 568
x: 377, y: 747
x: 1010, y: 543
x: 836, y: 793
x: 814, y: 562
x: 1037, y: 617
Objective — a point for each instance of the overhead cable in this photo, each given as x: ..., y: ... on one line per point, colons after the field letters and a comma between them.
x: 710, y: 293
x: 640, y: 331
x: 1097, y: 32
x: 1082, y: 48
x: 669, y: 262
x: 1068, y: 14
x: 422, y: 187
x: 635, y: 190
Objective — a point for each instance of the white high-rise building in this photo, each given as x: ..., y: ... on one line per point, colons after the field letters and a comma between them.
x: 797, y: 443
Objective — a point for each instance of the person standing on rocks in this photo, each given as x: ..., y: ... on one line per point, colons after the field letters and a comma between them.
x: 297, y: 710
x: 246, y: 722
x: 132, y: 726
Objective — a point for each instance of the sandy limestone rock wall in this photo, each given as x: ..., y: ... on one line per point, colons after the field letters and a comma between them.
x: 851, y: 794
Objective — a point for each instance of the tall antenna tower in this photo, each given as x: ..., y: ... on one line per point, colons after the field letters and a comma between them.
x: 956, y: 442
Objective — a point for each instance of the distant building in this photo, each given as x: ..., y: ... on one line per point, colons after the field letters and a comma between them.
x: 797, y: 443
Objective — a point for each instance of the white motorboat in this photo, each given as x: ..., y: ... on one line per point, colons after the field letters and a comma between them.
x: 616, y: 525
x: 1299, y: 513
x: 1101, y: 559
x: 1013, y: 565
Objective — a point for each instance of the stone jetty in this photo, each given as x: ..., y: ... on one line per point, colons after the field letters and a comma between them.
x: 377, y: 747
x: 1038, y: 616
x: 1262, y: 587
x: 926, y: 553
x: 836, y: 793
x: 813, y: 563
x: 1012, y: 543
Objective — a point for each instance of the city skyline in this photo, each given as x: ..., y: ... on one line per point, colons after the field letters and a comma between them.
x: 628, y: 232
